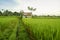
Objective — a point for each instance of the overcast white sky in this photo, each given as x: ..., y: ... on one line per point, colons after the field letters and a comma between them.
x: 44, y: 7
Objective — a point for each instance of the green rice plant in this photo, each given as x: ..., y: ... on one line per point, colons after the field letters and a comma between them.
x: 44, y: 29
x: 8, y: 27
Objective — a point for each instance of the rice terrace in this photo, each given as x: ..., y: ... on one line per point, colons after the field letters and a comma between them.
x: 29, y: 19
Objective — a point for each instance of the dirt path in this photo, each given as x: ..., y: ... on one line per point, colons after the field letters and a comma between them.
x: 21, y: 33
x: 29, y: 32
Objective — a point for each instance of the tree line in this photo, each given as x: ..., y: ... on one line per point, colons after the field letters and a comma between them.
x: 10, y: 13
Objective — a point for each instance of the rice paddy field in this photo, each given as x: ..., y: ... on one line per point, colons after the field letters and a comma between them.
x: 8, y: 28
x: 43, y: 29
x: 13, y: 28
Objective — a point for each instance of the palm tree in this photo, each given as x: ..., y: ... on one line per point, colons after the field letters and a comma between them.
x: 31, y: 8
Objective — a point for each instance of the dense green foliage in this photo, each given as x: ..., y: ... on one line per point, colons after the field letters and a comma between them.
x: 10, y: 13
x: 44, y: 29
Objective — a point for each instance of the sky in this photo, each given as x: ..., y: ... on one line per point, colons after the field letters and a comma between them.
x: 43, y: 7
